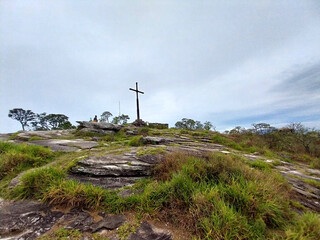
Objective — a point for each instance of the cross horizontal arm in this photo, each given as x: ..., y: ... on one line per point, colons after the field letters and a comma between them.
x: 136, y: 90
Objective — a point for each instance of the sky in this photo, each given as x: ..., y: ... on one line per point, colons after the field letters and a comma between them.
x: 232, y: 63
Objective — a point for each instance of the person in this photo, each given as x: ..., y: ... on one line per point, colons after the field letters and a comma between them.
x: 95, y: 118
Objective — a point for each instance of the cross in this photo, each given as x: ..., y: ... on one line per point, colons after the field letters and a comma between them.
x: 137, y: 92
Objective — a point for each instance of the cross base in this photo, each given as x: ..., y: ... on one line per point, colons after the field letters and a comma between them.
x: 139, y: 123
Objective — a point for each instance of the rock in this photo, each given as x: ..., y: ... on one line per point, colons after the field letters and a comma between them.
x: 153, y: 140
x: 5, y: 136
x: 100, y: 131
x: 101, y: 127
x: 16, y: 181
x: 26, y: 219
x: 79, y: 220
x: 109, y: 223
x: 147, y: 231
x: 65, y: 144
x: 139, y: 123
x: 26, y: 135
x: 114, y: 171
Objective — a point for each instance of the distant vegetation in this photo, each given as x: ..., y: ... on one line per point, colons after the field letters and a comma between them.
x: 187, y: 123
x: 40, y: 121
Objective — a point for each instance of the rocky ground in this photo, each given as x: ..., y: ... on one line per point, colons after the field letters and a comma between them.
x: 117, y: 167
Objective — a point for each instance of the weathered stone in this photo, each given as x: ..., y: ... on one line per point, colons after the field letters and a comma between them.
x: 153, y: 140
x: 81, y: 221
x: 147, y: 231
x: 65, y: 144
x: 109, y: 222
x: 105, y: 182
x: 100, y: 131
x: 26, y: 219
x: 26, y: 135
x: 99, y: 126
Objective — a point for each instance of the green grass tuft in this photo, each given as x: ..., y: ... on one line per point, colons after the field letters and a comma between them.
x: 16, y: 158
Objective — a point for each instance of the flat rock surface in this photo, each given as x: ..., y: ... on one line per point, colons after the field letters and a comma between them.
x: 65, y: 144
x: 114, y: 171
x: 26, y: 135
x: 30, y: 219
x: 147, y: 231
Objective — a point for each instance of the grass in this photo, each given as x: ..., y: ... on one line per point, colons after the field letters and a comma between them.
x: 305, y: 228
x: 35, y: 183
x: 151, y: 151
x: 17, y: 158
x: 135, y: 141
x: 126, y: 230
x: 63, y: 234
x: 215, y: 197
x: 34, y: 138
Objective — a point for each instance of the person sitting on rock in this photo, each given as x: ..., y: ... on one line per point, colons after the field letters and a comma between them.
x: 95, y: 118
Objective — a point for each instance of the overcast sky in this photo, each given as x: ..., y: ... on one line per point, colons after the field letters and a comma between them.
x: 229, y: 62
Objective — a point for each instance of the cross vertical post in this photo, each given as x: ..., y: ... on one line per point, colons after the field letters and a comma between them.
x: 137, y: 95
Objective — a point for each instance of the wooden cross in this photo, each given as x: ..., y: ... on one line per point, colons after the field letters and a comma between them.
x: 137, y: 92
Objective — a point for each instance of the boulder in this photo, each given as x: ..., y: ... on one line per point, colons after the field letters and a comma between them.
x: 147, y: 231
x: 101, y: 127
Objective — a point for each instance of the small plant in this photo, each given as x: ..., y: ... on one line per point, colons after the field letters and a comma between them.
x: 63, y: 234
x: 127, y: 229
x: 307, y: 227
x: 152, y: 151
x: 34, y: 138
x: 136, y: 141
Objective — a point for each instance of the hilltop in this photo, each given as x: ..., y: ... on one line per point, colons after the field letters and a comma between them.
x: 126, y: 182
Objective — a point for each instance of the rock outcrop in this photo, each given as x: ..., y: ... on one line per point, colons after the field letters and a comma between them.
x: 30, y: 219
x: 98, y: 127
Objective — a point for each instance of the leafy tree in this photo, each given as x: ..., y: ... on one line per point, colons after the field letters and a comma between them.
x: 198, y: 125
x: 122, y: 119
x: 105, y: 116
x: 40, y: 122
x: 237, y: 130
x: 187, y: 123
x: 262, y: 128
x: 303, y: 135
x: 58, y: 121
x: 208, y: 125
x: 23, y: 116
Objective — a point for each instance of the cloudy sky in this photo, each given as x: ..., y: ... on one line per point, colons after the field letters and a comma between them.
x: 229, y: 62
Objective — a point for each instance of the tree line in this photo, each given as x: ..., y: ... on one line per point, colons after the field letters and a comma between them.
x: 44, y: 121
x: 190, y: 124
x: 40, y: 121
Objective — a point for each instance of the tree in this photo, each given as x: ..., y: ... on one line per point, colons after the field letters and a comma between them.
x: 262, y: 128
x: 122, y: 119
x: 208, y: 125
x: 40, y: 122
x: 23, y: 116
x: 58, y: 121
x: 105, y: 116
